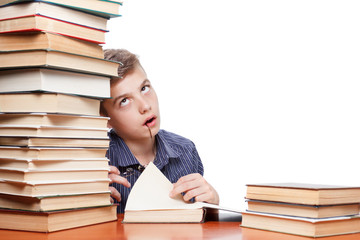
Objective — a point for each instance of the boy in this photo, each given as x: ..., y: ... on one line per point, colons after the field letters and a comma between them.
x: 136, y: 138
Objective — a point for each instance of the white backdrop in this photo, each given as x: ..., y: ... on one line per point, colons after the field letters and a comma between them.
x: 267, y: 90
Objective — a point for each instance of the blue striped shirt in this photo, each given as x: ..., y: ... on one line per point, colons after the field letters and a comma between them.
x: 176, y: 156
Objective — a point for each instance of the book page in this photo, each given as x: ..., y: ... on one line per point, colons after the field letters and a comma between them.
x: 151, y: 192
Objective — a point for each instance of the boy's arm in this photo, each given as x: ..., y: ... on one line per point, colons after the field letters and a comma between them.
x: 195, y: 186
x: 114, y: 175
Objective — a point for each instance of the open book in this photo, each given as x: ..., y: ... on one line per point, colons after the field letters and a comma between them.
x: 149, y: 201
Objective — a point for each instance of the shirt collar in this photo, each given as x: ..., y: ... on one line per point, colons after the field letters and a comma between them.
x: 164, y: 152
x: 122, y: 154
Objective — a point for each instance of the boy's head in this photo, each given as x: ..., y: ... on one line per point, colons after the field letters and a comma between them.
x: 133, y: 108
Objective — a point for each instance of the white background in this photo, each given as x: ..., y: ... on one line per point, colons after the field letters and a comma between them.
x: 268, y: 90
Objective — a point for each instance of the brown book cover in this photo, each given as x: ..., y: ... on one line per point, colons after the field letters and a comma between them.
x: 57, y: 60
x: 55, y: 220
x: 311, y: 194
x: 302, y: 226
x: 104, y: 8
x: 49, y: 103
x: 48, y: 119
x: 47, y: 40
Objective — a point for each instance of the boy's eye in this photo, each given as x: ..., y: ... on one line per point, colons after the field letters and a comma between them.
x: 145, y: 89
x: 124, y: 102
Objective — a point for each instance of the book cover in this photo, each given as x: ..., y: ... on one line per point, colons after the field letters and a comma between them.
x: 46, y: 153
x: 302, y: 226
x: 54, y: 163
x: 51, y: 80
x: 50, y: 188
x: 148, y: 204
x: 53, y: 11
x: 53, y: 175
x: 52, y: 41
x: 48, y: 119
x: 52, y: 131
x: 103, y: 8
x: 43, y: 23
x: 55, y: 220
x: 310, y: 194
x: 54, y: 142
x: 54, y: 202
x: 48, y: 103
x: 302, y: 210
x: 57, y: 60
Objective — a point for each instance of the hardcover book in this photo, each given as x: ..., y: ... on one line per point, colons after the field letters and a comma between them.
x: 52, y: 153
x: 55, y: 220
x: 103, y: 8
x: 302, y: 226
x: 57, y: 60
x: 54, y: 142
x: 48, y: 119
x: 53, y: 11
x: 50, y: 188
x: 310, y: 194
x: 54, y: 202
x: 53, y: 175
x: 51, y: 80
x: 42, y: 23
x: 46, y: 40
x: 147, y: 203
x: 54, y: 163
x: 48, y: 103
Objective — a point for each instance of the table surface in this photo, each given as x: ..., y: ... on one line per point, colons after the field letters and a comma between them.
x: 224, y: 227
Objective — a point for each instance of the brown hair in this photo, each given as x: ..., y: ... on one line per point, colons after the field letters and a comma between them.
x: 128, y: 62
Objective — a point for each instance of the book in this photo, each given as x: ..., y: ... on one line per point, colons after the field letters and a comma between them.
x: 54, y: 142
x: 53, y: 175
x: 52, y: 131
x: 301, y: 210
x: 308, y: 194
x: 51, y: 164
x: 46, y: 40
x: 57, y: 60
x: 55, y: 220
x: 302, y: 226
x: 43, y: 23
x: 147, y: 203
x: 52, y: 153
x: 104, y: 8
x: 46, y: 188
x: 48, y: 103
x: 48, y: 119
x: 53, y: 11
x: 50, y: 80
x: 54, y: 202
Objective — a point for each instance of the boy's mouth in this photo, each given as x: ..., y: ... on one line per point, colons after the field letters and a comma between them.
x: 150, y: 121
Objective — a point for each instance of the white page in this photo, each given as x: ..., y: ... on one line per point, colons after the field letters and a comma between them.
x: 151, y: 192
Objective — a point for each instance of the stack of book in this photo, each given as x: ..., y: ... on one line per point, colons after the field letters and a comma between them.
x: 303, y: 209
x: 53, y: 169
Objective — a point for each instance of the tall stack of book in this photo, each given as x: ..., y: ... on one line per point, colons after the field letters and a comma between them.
x: 53, y: 169
x: 310, y: 210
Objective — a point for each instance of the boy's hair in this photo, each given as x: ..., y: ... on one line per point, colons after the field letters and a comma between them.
x: 128, y: 62
x: 127, y: 59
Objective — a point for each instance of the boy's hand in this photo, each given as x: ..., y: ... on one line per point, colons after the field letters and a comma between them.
x: 194, y: 185
x: 114, y: 175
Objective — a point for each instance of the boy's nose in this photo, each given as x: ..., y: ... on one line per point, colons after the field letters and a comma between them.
x: 144, y: 106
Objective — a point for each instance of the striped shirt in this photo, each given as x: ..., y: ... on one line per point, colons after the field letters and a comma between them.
x: 176, y: 156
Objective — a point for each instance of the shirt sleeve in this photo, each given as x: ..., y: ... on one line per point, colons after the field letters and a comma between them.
x: 197, y: 161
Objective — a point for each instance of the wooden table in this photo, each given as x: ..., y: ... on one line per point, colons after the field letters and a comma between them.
x: 227, y: 227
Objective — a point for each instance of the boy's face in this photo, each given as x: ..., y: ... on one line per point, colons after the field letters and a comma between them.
x: 133, y: 108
